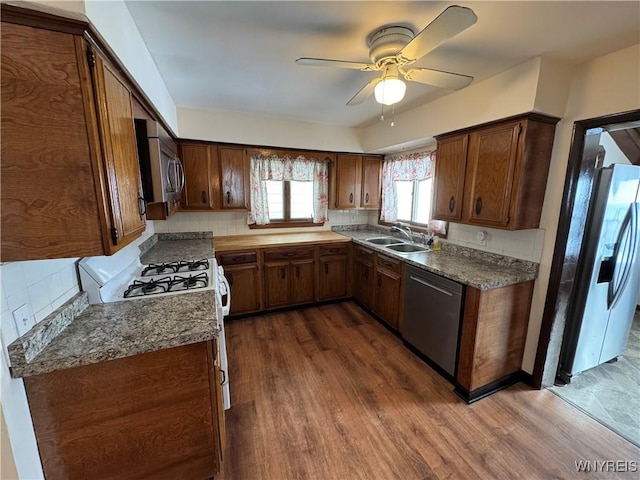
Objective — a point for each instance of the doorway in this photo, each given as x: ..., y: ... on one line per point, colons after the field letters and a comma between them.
x: 609, y: 392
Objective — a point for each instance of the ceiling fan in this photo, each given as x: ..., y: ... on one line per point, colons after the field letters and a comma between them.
x: 393, y: 48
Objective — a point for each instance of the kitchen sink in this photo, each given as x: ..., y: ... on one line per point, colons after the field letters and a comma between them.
x: 407, y: 248
x: 384, y: 241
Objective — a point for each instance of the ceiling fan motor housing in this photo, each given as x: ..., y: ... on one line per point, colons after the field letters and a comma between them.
x: 387, y: 42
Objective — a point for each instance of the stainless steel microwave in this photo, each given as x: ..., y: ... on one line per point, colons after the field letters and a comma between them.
x: 161, y: 171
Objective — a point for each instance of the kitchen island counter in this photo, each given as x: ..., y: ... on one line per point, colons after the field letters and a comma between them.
x: 80, y: 334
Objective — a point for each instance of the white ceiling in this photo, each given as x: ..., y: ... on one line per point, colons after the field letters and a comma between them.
x: 239, y: 56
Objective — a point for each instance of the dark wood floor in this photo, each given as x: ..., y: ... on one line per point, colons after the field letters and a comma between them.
x: 328, y: 393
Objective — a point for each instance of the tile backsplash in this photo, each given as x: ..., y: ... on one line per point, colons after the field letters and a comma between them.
x: 523, y: 244
x: 235, y: 223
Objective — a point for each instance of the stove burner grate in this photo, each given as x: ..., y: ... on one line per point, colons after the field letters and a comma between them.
x: 152, y: 287
x: 175, y: 267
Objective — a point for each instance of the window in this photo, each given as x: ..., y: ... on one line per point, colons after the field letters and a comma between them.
x: 414, y: 201
x: 290, y: 201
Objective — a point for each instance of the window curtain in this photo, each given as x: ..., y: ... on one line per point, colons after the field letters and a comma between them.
x: 398, y: 168
x: 286, y: 168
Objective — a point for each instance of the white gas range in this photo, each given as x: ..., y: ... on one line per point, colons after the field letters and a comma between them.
x: 122, y: 277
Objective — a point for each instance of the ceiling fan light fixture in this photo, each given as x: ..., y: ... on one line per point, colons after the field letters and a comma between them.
x: 390, y: 90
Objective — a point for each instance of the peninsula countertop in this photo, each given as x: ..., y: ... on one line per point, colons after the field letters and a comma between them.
x: 102, y: 332
x: 480, y: 270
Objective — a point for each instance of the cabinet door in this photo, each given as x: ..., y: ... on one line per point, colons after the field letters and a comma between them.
x: 234, y: 178
x: 451, y: 160
x: 371, y: 169
x: 387, y: 296
x: 302, y: 281
x: 347, y: 179
x: 276, y: 284
x: 363, y: 281
x: 115, y: 111
x: 333, y: 277
x: 244, y: 281
x: 492, y: 161
x: 197, y: 163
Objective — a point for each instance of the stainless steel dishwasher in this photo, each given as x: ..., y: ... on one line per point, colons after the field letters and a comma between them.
x: 432, y: 311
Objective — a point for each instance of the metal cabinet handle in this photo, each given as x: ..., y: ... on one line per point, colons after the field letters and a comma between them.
x: 386, y: 263
x: 239, y: 259
x: 478, y: 205
x: 351, y: 198
x: 290, y: 254
x: 283, y: 272
x: 379, y: 281
x: 297, y: 271
x: 366, y: 274
x: 452, y: 203
x: 366, y: 198
x: 204, y: 196
x: 142, y: 206
x: 228, y: 197
x: 230, y: 278
x: 224, y: 377
x: 326, y: 268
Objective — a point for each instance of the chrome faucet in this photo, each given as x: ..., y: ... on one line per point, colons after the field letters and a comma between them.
x: 403, y: 229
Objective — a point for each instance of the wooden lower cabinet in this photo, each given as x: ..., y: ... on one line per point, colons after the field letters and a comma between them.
x: 245, y: 284
x: 333, y: 272
x: 494, y: 329
x: 289, y: 276
x: 363, y: 276
x: 156, y: 415
x: 303, y: 274
x: 387, y: 289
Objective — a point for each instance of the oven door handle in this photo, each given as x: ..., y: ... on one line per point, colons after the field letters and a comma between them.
x: 226, y: 307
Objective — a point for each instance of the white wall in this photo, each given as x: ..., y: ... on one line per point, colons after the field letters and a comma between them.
x: 232, y: 223
x: 217, y: 126
x: 523, y: 244
x: 604, y: 86
x: 115, y: 24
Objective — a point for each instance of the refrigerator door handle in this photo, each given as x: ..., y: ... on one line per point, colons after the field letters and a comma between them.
x: 625, y: 246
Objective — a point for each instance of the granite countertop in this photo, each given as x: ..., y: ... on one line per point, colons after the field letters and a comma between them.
x: 244, y: 242
x: 80, y: 334
x: 173, y: 247
x: 474, y: 268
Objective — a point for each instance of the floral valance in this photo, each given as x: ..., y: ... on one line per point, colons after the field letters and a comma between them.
x: 286, y: 168
x: 402, y: 167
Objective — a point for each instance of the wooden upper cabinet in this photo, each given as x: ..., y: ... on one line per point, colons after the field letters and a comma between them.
x: 503, y: 168
x: 492, y: 160
x: 371, y: 170
x: 451, y: 161
x: 118, y: 139
x: 70, y: 176
x: 198, y: 162
x: 355, y: 182
x: 347, y: 181
x: 234, y: 179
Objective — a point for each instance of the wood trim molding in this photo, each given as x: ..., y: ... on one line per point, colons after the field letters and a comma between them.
x: 41, y: 19
x: 534, y: 116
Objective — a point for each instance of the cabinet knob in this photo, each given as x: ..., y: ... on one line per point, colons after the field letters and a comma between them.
x: 204, y: 197
x: 452, y: 203
x: 351, y: 198
x: 478, y: 205
x: 366, y: 198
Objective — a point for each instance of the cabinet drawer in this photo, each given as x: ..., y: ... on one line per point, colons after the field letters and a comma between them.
x: 288, y: 253
x: 333, y: 250
x: 238, y: 258
x: 364, y: 253
x: 390, y: 264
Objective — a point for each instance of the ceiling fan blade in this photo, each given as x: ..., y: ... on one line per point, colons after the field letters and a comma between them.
x: 448, y: 24
x: 324, y: 62
x: 364, y: 93
x: 453, y: 81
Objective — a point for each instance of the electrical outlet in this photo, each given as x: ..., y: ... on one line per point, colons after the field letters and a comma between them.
x: 481, y: 237
x: 23, y: 319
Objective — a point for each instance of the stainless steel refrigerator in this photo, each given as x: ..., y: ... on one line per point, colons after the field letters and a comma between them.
x: 608, y: 275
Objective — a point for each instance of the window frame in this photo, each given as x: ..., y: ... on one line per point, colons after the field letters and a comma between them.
x: 287, y: 221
